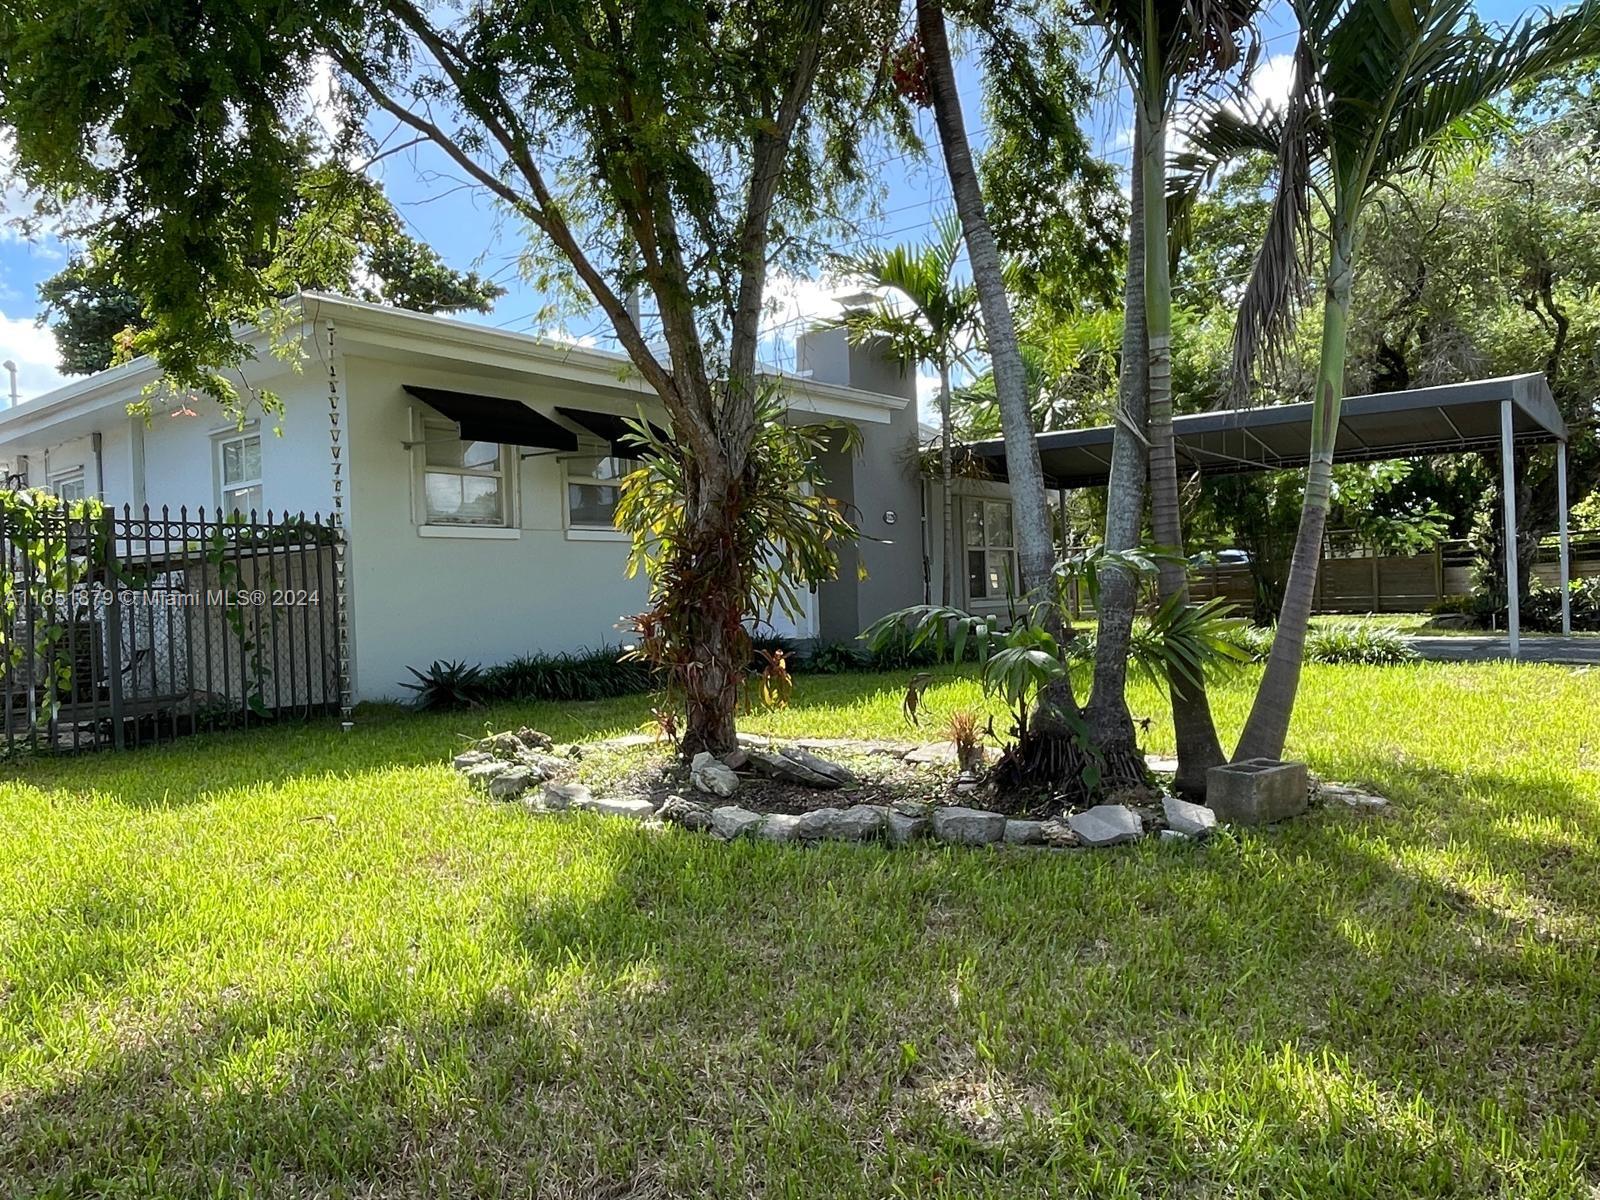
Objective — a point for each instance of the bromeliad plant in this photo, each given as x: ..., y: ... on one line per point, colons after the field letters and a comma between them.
x: 785, y: 542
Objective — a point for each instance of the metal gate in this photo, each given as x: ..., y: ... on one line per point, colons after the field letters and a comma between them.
x: 120, y: 630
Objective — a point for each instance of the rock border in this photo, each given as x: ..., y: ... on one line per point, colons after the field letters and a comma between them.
x: 525, y: 767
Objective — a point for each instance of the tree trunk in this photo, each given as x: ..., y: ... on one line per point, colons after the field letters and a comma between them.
x: 947, y: 596
x: 1031, y: 525
x: 1053, y: 750
x: 1109, y: 719
x: 1267, y: 728
x: 1198, y: 747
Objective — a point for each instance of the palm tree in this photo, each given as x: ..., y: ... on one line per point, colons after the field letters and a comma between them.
x: 1160, y: 44
x: 1381, y: 88
x: 1056, y: 752
x: 927, y: 317
x: 1107, y: 710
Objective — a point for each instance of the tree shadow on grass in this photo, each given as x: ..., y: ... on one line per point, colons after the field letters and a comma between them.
x: 1320, y: 1009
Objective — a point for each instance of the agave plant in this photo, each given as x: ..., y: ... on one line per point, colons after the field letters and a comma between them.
x: 1381, y: 87
x: 448, y: 685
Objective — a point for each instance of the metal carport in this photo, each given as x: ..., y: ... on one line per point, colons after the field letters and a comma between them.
x: 1483, y: 415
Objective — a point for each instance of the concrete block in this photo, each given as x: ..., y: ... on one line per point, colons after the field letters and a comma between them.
x: 1258, y: 791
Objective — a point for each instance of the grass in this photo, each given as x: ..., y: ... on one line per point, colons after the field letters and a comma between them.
x: 307, y: 963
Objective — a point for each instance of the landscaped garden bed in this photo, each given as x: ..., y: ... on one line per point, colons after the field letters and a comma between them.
x: 786, y: 791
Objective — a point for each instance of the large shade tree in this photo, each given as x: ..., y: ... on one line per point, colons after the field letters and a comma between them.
x: 1380, y: 89
x: 675, y: 148
x: 340, y: 234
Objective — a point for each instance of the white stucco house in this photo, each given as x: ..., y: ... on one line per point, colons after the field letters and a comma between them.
x: 474, y: 471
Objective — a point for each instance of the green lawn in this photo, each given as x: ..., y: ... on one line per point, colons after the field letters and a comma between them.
x: 299, y: 962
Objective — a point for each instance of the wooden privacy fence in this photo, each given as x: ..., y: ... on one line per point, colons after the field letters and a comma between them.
x: 120, y: 630
x: 1353, y: 579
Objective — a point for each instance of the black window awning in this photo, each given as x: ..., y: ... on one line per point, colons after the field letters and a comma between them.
x: 496, y: 419
x: 611, y: 429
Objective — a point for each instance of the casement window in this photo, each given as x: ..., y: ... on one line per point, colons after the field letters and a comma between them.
x: 239, y: 473
x: 69, y: 485
x: 593, y: 485
x: 463, y: 483
x: 991, y: 550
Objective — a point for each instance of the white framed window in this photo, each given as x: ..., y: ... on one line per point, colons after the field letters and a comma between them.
x: 69, y: 485
x: 593, y: 485
x: 991, y: 550
x: 462, y: 484
x: 239, y: 472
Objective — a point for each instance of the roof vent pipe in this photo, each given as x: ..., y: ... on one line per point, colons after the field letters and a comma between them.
x: 11, y: 370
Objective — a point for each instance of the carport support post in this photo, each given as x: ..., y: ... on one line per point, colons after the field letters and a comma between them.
x: 1561, y: 528
x: 1508, y: 486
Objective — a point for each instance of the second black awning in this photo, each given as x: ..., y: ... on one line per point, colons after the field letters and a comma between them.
x: 615, y: 431
x: 496, y: 419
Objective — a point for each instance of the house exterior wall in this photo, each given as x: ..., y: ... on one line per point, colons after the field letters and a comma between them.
x: 420, y: 594
x: 417, y: 593
x: 878, y: 479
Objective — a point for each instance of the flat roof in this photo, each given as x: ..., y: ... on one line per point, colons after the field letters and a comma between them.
x: 1455, y: 418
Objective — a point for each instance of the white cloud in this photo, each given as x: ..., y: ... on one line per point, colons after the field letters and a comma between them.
x: 1272, y: 81
x: 33, y: 349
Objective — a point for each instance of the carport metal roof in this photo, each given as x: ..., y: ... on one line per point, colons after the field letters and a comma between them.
x: 1485, y: 414
x: 1452, y: 419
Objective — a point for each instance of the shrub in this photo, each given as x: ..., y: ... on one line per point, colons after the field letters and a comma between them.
x: 597, y: 674
x: 835, y: 658
x: 447, y: 685
x: 1543, y: 608
x: 1358, y: 645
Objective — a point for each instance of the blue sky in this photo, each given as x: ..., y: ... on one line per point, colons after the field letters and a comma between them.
x: 468, y: 231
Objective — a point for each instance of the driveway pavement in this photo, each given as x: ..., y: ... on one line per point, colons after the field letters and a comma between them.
x: 1572, y: 651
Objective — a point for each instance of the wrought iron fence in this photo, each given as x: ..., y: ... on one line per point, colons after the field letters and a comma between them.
x: 120, y: 630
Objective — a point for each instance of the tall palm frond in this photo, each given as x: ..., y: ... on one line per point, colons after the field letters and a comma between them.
x: 1383, y: 87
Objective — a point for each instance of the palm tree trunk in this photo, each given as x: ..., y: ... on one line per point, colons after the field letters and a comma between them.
x: 950, y: 539
x: 1267, y: 728
x: 1198, y: 747
x: 1031, y: 522
x: 1109, y: 719
x: 1053, y: 749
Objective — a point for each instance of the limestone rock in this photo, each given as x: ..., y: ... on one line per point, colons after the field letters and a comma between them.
x: 858, y: 824
x: 1058, y: 835
x: 533, y: 739
x: 933, y: 754
x: 471, y: 758
x: 779, y: 827
x: 843, y: 776
x: 711, y: 776
x: 903, y: 828
x: 730, y: 821
x: 691, y: 814
x: 561, y: 796
x: 636, y: 807
x: 1024, y: 833
x: 510, y: 783
x: 1351, y: 797
x: 480, y: 774
x: 968, y: 826
x: 1106, y: 825
x: 788, y: 770
x: 1190, y: 820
